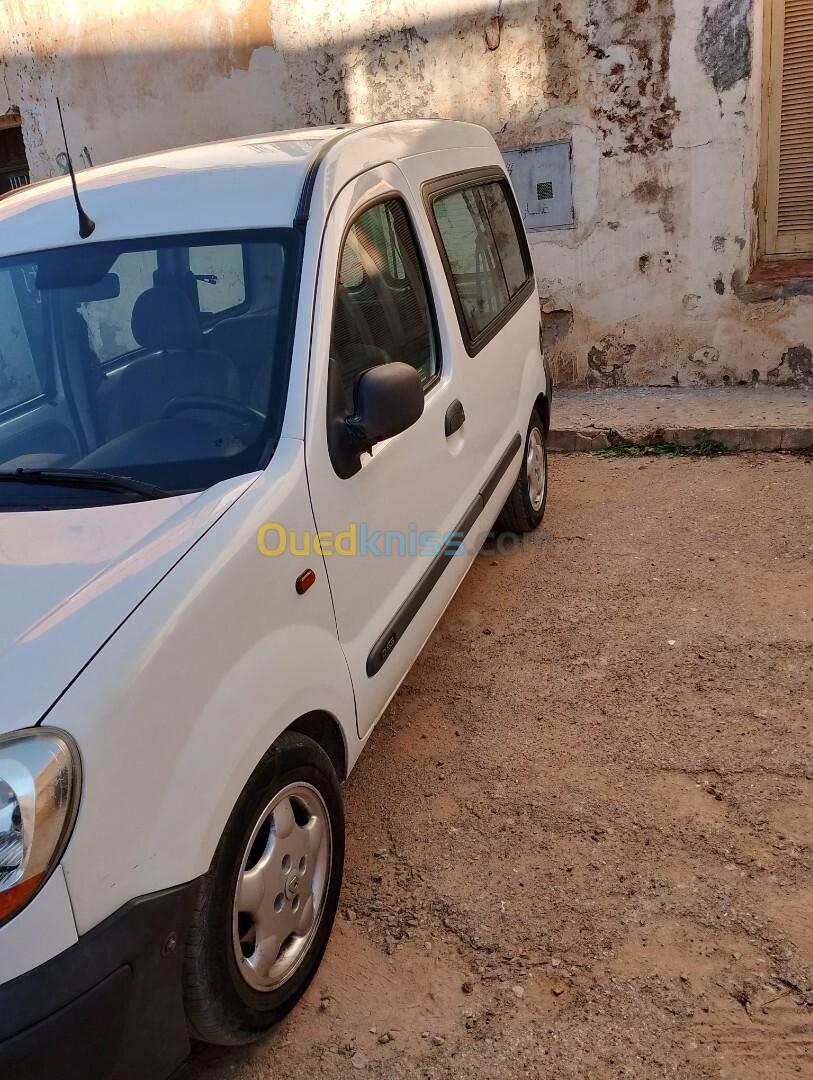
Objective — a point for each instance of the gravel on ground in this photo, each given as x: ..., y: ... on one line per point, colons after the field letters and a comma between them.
x: 580, y: 839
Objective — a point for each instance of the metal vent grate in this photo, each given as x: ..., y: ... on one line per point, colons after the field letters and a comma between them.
x: 544, y: 190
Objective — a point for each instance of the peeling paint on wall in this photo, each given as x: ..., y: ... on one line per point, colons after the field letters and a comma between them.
x: 795, y: 367
x: 608, y: 359
x: 724, y: 43
x: 630, y: 40
x: 652, y: 283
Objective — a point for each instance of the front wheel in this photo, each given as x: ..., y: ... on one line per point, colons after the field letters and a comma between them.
x: 525, y: 506
x: 266, y: 908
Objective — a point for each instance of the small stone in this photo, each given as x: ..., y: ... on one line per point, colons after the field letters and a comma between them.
x: 684, y: 978
x: 467, y: 988
x: 376, y: 878
x: 359, y: 1061
x: 350, y: 915
x: 671, y: 641
x: 557, y: 991
x: 324, y: 1004
x: 385, y: 1038
x: 438, y: 1040
x: 518, y: 991
x: 487, y: 632
x: 555, y: 961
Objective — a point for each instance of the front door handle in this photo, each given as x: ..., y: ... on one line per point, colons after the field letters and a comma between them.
x: 455, y: 418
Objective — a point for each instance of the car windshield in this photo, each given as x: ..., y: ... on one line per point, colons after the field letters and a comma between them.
x: 163, y: 361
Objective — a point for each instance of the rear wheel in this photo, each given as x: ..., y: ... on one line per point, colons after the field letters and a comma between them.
x: 525, y: 506
x: 267, y: 905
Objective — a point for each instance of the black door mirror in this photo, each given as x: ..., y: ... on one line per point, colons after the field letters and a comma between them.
x: 388, y: 400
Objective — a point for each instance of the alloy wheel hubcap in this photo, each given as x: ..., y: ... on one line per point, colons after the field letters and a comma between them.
x: 536, y: 469
x: 281, y: 886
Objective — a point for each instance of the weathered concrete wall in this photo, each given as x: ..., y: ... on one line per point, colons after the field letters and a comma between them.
x: 660, y: 98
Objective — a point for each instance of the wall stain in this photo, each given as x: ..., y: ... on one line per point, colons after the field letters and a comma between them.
x: 556, y: 316
x: 795, y: 368
x: 493, y: 32
x: 608, y: 359
x: 652, y: 191
x: 724, y: 43
x: 635, y: 99
x: 251, y: 31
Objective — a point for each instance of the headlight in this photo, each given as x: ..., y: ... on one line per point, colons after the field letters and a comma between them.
x: 39, y: 795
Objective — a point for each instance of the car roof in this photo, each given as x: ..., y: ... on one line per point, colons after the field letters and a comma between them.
x: 252, y: 182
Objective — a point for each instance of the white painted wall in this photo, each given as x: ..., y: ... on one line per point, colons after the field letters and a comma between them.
x: 650, y: 285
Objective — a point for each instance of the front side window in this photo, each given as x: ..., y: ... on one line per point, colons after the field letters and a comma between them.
x: 382, y: 308
x: 20, y: 379
x: 485, y: 256
x: 108, y: 318
x: 109, y: 362
x: 220, y: 274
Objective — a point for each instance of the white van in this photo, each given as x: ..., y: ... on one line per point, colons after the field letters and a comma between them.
x: 253, y: 430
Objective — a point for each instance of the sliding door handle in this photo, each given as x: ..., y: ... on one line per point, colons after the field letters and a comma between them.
x: 455, y: 418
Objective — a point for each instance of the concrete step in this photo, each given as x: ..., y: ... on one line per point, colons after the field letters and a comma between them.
x: 741, y: 418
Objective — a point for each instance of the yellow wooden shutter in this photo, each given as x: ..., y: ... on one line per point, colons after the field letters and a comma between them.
x: 789, y: 115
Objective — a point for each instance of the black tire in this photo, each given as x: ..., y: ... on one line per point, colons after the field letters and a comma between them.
x: 221, y: 1007
x: 519, y: 514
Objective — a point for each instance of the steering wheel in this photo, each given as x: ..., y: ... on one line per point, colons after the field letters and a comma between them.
x: 214, y: 403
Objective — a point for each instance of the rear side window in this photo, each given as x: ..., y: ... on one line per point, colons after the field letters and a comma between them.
x: 485, y: 255
x: 382, y: 310
x: 506, y: 236
x: 473, y: 258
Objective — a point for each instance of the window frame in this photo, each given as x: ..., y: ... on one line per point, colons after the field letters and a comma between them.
x: 370, y: 204
x: 437, y: 188
x: 773, y: 264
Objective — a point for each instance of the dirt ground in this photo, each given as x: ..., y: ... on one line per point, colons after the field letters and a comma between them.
x: 580, y: 838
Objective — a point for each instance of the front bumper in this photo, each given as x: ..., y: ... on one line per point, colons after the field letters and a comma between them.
x: 108, y: 1008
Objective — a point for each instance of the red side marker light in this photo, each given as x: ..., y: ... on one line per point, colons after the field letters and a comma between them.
x: 305, y: 580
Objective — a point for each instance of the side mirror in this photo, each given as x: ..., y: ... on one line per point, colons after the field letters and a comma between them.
x: 388, y: 400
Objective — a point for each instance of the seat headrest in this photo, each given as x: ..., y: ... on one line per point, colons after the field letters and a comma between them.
x: 165, y: 318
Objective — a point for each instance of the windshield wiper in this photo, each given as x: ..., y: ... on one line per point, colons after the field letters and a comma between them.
x: 84, y: 478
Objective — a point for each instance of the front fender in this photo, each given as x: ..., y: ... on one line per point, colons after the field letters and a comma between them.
x: 175, y: 712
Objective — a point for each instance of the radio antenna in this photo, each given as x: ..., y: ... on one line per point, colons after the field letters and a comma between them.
x: 86, y: 224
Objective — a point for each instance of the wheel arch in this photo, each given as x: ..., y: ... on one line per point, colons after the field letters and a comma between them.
x: 542, y: 406
x: 325, y: 730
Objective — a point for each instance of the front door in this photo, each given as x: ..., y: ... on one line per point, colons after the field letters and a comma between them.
x: 384, y: 530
